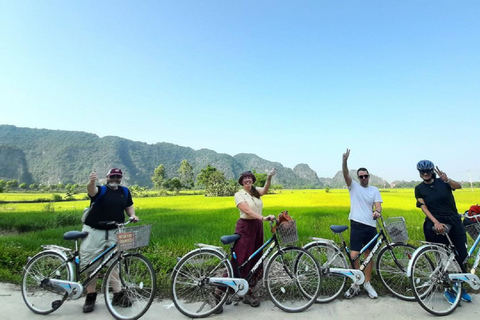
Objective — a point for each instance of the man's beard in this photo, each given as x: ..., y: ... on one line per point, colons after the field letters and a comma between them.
x: 113, y: 185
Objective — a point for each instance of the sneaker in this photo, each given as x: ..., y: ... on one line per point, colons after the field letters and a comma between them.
x: 465, y: 296
x: 449, y: 296
x: 251, y: 300
x: 121, y: 299
x: 89, y: 304
x: 352, y: 291
x: 371, y: 292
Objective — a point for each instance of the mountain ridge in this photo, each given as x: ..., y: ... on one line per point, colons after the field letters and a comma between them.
x: 49, y: 156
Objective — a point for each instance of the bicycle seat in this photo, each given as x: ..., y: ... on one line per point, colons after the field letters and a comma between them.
x: 230, y: 238
x: 445, y: 230
x: 338, y: 229
x: 74, y: 235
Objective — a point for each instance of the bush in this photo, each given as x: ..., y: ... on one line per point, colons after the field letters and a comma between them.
x: 56, y: 197
x: 49, y: 207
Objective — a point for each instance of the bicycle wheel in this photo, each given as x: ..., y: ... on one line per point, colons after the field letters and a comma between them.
x: 292, y: 279
x: 191, y: 293
x: 430, y: 283
x: 129, y: 286
x: 40, y: 298
x: 329, y: 256
x: 392, y: 264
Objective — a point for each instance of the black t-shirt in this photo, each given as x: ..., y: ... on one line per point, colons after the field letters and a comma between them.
x: 110, y: 207
x: 438, y: 197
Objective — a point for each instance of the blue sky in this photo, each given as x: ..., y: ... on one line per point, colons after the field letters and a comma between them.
x: 291, y: 81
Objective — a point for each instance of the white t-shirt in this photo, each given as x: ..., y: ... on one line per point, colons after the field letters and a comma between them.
x: 361, y: 203
x: 255, y: 204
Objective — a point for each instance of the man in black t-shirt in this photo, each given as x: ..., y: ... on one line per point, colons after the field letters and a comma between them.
x: 111, y: 206
x: 435, y: 198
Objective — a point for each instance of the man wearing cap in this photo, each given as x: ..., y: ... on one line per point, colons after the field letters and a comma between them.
x: 111, y: 206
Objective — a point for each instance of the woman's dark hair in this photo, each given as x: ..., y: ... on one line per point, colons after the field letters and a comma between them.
x: 255, y: 192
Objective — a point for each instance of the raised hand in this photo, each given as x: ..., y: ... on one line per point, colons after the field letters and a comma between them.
x: 272, y: 173
x: 442, y: 175
x: 346, y: 155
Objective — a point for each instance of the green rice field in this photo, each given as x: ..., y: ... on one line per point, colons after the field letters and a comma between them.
x: 180, y: 221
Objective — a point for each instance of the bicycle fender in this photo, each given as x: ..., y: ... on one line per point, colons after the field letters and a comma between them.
x: 207, y: 247
x: 321, y: 240
x: 63, y: 254
x: 471, y: 279
x: 328, y: 242
x: 417, y: 251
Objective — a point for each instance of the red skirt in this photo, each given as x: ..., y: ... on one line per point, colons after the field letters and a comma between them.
x: 251, y: 240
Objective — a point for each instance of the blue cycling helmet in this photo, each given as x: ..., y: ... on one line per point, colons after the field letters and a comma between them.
x: 425, y: 165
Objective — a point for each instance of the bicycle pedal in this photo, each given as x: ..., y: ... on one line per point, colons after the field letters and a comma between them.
x: 56, y: 304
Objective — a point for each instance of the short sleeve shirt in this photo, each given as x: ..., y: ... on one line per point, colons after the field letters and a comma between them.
x: 361, y: 203
x: 255, y: 204
x: 438, y: 197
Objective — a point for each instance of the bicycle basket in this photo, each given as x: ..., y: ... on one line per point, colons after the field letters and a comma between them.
x: 397, y: 229
x: 473, y: 230
x: 287, y: 232
x: 134, y: 237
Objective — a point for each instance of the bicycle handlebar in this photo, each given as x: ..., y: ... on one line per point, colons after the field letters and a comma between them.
x: 114, y: 223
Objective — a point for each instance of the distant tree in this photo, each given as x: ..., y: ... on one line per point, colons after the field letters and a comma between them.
x: 158, y: 177
x: 33, y: 186
x: 174, y: 184
x: 261, y: 179
x: 23, y: 186
x: 12, y: 184
x: 204, y: 176
x: 185, y: 174
x: 137, y: 191
x: 215, y: 183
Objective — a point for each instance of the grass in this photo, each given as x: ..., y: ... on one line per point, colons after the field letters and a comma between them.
x: 179, y: 222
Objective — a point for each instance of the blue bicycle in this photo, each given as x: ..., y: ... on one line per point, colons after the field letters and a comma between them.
x: 204, y: 279
x: 53, y: 275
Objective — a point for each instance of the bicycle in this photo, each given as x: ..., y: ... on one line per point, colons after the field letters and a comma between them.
x: 434, y: 273
x: 391, y: 264
x: 204, y: 278
x: 52, y: 276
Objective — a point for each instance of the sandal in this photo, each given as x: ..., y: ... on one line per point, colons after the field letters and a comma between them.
x: 251, y: 300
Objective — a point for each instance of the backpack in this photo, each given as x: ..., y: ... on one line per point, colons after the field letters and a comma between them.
x: 101, y: 192
x: 473, y: 211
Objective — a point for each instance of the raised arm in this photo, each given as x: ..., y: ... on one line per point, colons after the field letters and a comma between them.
x: 346, y: 173
x: 442, y: 175
x: 267, y: 183
x: 91, y: 186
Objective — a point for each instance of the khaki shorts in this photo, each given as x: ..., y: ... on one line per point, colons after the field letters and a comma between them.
x: 94, y: 244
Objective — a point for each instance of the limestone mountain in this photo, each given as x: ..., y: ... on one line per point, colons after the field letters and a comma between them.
x: 59, y: 156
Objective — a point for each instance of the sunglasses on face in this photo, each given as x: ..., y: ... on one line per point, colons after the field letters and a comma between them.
x: 426, y: 171
x: 115, y: 177
x: 364, y: 177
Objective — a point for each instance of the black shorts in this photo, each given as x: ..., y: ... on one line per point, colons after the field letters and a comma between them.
x: 360, y: 235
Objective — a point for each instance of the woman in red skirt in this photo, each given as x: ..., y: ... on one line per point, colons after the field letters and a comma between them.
x: 250, y: 227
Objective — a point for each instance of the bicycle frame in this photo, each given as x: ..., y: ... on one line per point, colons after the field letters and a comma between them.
x: 74, y: 289
x: 379, y: 238
x: 357, y: 275
x: 468, y: 277
x: 240, y: 285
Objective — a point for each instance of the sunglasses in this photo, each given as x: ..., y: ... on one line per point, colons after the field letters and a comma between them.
x: 426, y: 171
x: 364, y: 177
x: 115, y: 177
